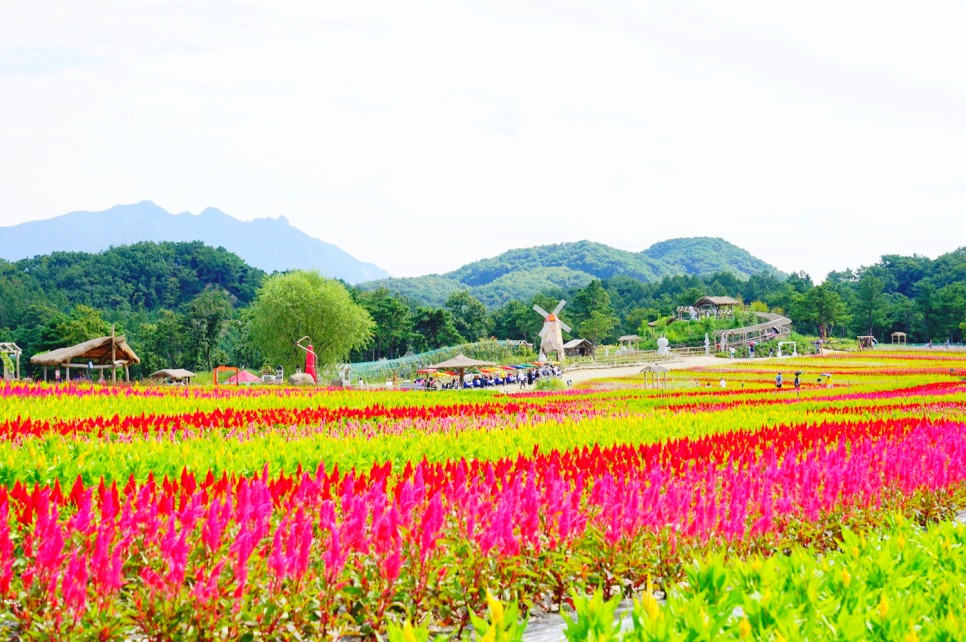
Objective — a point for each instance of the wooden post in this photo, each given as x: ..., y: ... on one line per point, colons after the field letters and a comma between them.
x: 113, y: 357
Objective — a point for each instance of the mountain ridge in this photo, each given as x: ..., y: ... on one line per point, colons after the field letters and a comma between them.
x: 521, y: 272
x: 255, y: 241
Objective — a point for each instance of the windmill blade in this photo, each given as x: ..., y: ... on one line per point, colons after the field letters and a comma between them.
x: 566, y: 328
x: 541, y: 311
x: 542, y: 332
x: 559, y: 307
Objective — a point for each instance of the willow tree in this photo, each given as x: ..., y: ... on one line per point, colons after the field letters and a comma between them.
x: 296, y: 304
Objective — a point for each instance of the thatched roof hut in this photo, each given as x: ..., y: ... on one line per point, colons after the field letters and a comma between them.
x: 103, y: 353
x: 174, y: 374
x: 718, y: 305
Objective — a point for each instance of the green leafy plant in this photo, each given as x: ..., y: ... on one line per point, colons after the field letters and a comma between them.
x: 502, y: 624
x: 594, y: 618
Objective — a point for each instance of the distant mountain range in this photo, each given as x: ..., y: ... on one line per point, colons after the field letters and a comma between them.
x: 521, y: 273
x: 268, y: 244
x: 274, y: 245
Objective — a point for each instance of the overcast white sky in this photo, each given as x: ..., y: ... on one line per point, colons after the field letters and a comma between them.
x: 422, y: 135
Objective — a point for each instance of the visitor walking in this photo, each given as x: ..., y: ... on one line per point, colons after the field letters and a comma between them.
x: 778, y: 381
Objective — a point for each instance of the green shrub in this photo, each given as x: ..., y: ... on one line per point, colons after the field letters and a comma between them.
x: 549, y: 383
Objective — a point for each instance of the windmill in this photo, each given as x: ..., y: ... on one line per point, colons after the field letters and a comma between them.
x: 551, y: 336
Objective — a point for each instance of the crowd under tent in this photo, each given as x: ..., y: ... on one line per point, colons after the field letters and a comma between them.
x: 460, y: 363
x: 103, y: 353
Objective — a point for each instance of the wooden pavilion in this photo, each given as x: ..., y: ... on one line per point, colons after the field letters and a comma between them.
x: 716, y: 306
x: 103, y: 353
x: 866, y: 341
x: 655, y: 376
x: 629, y: 341
x: 899, y: 338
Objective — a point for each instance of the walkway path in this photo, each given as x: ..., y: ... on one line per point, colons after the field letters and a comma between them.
x: 680, y: 363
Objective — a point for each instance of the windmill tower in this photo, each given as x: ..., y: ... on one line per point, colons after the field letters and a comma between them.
x: 551, y: 335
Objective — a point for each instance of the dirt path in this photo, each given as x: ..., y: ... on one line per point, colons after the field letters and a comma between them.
x: 680, y: 363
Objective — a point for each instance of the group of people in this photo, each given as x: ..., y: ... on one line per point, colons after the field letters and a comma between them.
x: 523, y: 378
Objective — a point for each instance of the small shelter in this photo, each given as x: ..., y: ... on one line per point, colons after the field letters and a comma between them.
x: 716, y: 306
x: 866, y: 341
x: 10, y: 369
x: 460, y: 363
x: 655, y: 376
x: 629, y: 341
x: 579, y: 348
x: 899, y: 338
x: 103, y: 353
x: 174, y: 375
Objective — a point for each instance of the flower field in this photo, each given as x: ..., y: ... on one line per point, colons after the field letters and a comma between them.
x: 225, y: 513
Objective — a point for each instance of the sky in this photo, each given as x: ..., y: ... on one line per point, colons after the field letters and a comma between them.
x: 423, y: 135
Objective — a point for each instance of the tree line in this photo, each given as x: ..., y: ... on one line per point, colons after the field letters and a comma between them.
x: 192, y: 306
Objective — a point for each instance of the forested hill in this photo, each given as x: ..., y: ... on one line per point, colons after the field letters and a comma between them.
x: 519, y: 274
x: 144, y: 276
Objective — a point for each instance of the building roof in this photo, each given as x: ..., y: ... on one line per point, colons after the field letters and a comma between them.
x: 628, y: 337
x: 96, y: 350
x: 716, y: 301
x: 573, y: 343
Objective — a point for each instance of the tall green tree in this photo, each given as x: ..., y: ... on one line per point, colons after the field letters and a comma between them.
x: 36, y: 333
x: 207, y: 316
x: 469, y: 316
x: 822, y: 307
x: 82, y: 324
x: 950, y: 309
x: 393, y: 331
x: 593, y: 314
x: 296, y: 304
x: 598, y: 327
x: 165, y: 343
x: 870, y: 309
x: 435, y: 329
